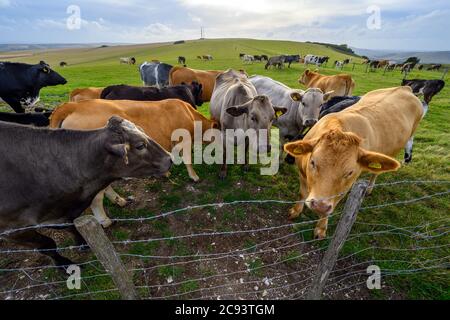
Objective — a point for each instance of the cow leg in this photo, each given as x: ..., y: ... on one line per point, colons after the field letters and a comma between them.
x: 296, y: 210
x: 115, y: 198
x: 320, y: 232
x: 15, y: 105
x: 371, y: 186
x: 409, y: 151
x: 187, y: 159
x: 34, y: 240
x: 99, y: 211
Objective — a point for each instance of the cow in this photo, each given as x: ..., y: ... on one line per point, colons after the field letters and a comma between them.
x: 235, y: 104
x: 341, y: 84
x: 337, y: 104
x: 248, y: 58
x: 181, y: 60
x: 180, y: 75
x: 155, y: 74
x: 316, y: 60
x: 207, y: 57
x: 276, y: 61
x: 63, y: 64
x: 241, y: 55
x: 191, y: 93
x: 37, y: 119
x: 127, y: 60
x: 264, y: 57
x: 258, y: 58
x: 289, y: 59
x: 338, y: 64
x: 382, y: 64
x: 62, y: 171
x: 81, y: 94
x: 342, y: 145
x: 21, y: 83
x: 407, y: 67
x: 303, y: 108
x: 158, y: 119
x: 436, y: 67
x: 427, y: 88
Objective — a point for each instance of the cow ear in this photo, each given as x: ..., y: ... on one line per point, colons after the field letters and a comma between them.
x: 119, y: 150
x: 297, y: 96
x: 300, y: 148
x: 115, y: 124
x: 377, y: 163
x: 279, y: 111
x: 237, y: 111
x: 328, y: 95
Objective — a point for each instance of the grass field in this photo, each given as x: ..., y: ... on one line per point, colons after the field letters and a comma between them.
x: 100, y: 67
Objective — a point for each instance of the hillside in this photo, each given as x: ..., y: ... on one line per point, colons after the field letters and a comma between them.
x: 220, y: 48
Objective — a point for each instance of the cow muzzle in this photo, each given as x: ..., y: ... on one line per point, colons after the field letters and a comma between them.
x: 321, y: 206
x: 310, y: 123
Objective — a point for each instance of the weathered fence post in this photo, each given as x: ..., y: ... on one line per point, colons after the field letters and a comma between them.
x: 444, y: 74
x: 343, y: 229
x: 96, y: 237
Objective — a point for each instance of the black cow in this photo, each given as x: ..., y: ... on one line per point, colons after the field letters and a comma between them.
x: 334, y: 105
x: 191, y: 93
x: 63, y: 64
x: 21, y: 83
x: 51, y: 176
x: 292, y: 58
x: 181, y: 60
x: 264, y: 57
x: 337, y: 104
x: 427, y: 88
x: 37, y: 119
x: 155, y: 74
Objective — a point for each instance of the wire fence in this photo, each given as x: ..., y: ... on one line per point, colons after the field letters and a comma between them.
x: 266, y: 262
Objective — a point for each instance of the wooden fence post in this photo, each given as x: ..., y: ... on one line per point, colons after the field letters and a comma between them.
x: 343, y: 229
x: 96, y: 237
x: 444, y: 74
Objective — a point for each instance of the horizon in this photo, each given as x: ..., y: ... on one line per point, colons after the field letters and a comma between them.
x: 400, y: 25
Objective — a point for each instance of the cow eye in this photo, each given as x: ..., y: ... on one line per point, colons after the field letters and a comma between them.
x: 313, y: 164
x: 140, y: 146
x: 46, y: 70
x: 349, y: 174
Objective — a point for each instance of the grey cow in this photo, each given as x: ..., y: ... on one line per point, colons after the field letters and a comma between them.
x: 155, y: 74
x: 303, y: 107
x: 51, y: 176
x: 235, y: 104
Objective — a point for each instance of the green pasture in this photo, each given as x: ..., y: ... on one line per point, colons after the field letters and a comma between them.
x: 100, y: 67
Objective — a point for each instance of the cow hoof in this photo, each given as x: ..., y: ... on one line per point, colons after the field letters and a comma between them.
x: 293, y: 214
x: 195, y: 179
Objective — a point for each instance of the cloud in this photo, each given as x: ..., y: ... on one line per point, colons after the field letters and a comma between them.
x: 5, y: 3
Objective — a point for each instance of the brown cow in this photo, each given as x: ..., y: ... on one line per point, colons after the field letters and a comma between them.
x: 91, y: 93
x: 158, y: 119
x: 180, y: 75
x: 341, y: 84
x: 341, y: 146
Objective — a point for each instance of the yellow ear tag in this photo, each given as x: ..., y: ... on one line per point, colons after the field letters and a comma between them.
x: 375, y: 165
x: 298, y: 150
x: 279, y: 113
x: 295, y: 98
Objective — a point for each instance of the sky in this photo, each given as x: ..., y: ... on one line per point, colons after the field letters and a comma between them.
x: 378, y: 24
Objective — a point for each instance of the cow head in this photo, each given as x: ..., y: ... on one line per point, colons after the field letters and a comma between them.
x: 132, y: 153
x: 310, y: 103
x: 47, y: 77
x: 332, y: 164
x: 306, y: 77
x: 259, y: 113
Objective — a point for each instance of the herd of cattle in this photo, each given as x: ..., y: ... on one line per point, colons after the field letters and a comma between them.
x: 52, y: 175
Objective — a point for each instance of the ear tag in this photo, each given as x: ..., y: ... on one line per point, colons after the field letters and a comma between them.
x: 295, y: 98
x: 279, y: 113
x: 298, y: 150
x: 375, y: 165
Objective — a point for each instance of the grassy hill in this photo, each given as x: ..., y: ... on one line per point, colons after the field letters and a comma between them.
x: 100, y: 67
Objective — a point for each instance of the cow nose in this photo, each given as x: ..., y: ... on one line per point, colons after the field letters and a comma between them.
x: 321, y: 206
x: 310, y: 122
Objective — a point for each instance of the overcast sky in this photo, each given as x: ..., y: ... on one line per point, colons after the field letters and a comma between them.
x: 405, y: 24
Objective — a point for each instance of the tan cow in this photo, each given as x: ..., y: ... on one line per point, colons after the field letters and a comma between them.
x: 341, y: 146
x: 91, y: 93
x: 180, y: 75
x: 158, y: 119
x: 341, y: 84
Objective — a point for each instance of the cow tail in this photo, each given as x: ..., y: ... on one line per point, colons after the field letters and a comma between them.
x: 172, y: 71
x: 60, y: 114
